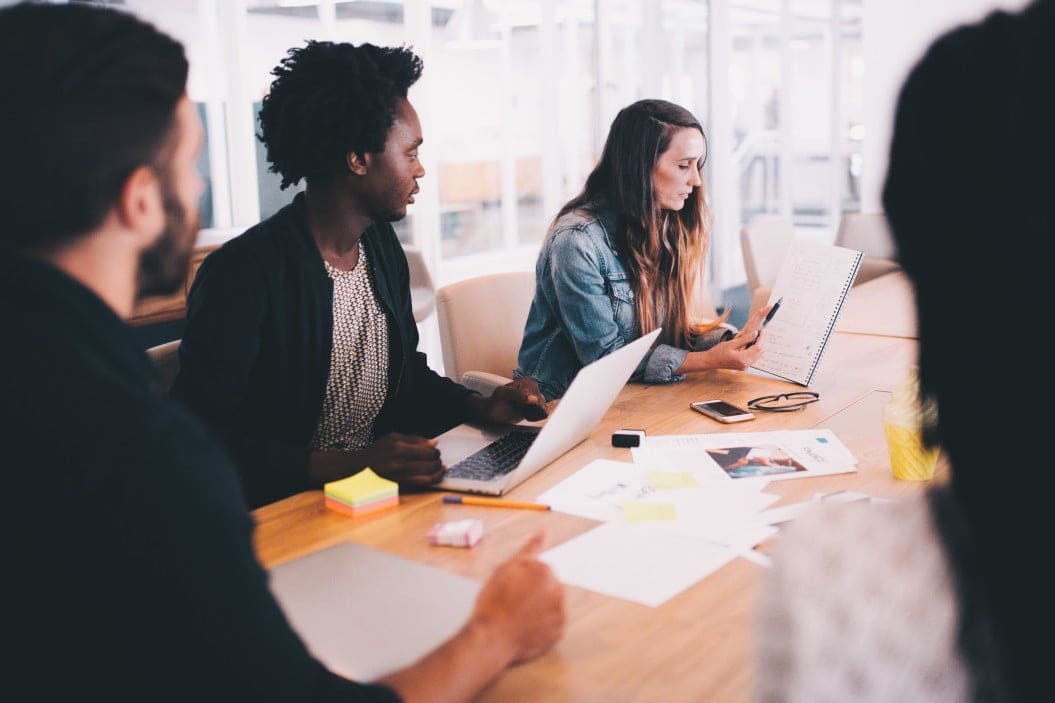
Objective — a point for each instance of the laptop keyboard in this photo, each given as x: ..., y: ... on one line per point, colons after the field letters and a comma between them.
x: 496, y: 459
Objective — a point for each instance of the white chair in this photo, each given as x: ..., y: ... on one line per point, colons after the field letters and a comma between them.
x: 422, y: 289
x: 481, y: 323
x: 166, y: 360
x: 763, y: 243
x: 870, y: 234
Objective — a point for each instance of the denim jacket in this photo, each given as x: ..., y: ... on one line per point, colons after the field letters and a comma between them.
x: 584, y: 309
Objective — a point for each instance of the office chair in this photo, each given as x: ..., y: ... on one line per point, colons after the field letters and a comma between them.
x: 763, y: 243
x: 166, y: 360
x: 870, y: 234
x: 481, y: 323
x: 422, y: 289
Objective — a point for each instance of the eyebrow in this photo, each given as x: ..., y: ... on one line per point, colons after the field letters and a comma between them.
x: 417, y: 142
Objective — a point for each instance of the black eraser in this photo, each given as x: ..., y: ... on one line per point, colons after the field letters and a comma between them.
x: 627, y: 438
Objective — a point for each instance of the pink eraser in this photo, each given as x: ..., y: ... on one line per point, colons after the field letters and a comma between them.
x: 459, y: 533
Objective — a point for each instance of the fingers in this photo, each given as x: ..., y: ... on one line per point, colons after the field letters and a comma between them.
x: 518, y: 399
x: 533, y: 546
x: 409, y: 447
x: 535, y: 412
x: 418, y: 473
x: 408, y: 459
x: 523, y: 391
x: 756, y: 318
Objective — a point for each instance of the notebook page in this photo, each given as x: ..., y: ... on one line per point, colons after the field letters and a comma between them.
x: 812, y: 283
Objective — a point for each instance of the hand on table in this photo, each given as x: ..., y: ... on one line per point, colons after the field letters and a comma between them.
x: 406, y: 459
x: 523, y: 604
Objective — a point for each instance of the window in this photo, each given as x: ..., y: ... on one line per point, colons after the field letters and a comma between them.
x: 517, y: 97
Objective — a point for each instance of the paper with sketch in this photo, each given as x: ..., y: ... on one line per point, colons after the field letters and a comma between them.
x: 722, y: 512
x: 774, y: 456
x: 641, y: 563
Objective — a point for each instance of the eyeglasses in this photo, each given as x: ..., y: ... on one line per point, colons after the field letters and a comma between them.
x: 784, y: 402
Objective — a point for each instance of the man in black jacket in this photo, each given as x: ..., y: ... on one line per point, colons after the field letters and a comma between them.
x: 300, y: 348
x: 127, y: 544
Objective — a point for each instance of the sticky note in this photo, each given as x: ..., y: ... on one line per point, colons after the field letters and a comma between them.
x: 361, y: 488
x: 639, y: 511
x: 360, y: 494
x: 667, y: 480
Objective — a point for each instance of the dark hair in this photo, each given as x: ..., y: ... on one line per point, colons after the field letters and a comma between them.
x: 89, y: 95
x: 662, y: 250
x: 969, y: 198
x: 329, y: 100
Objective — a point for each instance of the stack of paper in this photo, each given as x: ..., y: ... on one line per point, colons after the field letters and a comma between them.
x: 687, y: 506
x: 663, y: 530
x: 361, y: 494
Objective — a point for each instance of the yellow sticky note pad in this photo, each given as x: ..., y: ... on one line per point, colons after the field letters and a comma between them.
x: 638, y: 511
x: 667, y: 480
x: 364, y: 487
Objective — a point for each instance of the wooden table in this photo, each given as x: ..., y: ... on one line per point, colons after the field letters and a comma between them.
x: 696, y: 646
x: 882, y: 306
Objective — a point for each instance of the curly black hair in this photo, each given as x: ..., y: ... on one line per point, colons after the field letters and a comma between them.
x: 329, y: 100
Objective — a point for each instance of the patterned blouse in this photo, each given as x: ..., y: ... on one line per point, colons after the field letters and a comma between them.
x: 358, y: 381
x: 860, y: 606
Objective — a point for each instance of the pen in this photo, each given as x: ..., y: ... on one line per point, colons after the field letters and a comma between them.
x: 494, y: 502
x: 765, y: 322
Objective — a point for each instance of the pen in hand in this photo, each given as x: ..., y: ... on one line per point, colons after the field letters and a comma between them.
x: 769, y: 316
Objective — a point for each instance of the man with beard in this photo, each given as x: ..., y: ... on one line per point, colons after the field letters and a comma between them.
x: 300, y: 349
x: 127, y: 543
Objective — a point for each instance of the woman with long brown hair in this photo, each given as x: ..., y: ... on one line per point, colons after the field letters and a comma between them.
x: 626, y: 256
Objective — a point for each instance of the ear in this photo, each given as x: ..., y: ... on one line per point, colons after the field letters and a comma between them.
x: 358, y: 164
x: 140, y: 207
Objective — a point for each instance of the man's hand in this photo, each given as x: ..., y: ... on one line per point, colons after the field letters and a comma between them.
x: 405, y: 459
x: 519, y: 400
x: 522, y: 604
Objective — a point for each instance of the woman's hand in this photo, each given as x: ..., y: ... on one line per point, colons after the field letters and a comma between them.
x: 737, y: 354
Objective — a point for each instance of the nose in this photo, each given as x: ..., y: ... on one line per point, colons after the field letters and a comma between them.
x: 420, y: 173
x: 696, y: 179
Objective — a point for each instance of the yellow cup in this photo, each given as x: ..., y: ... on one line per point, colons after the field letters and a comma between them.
x: 909, y: 459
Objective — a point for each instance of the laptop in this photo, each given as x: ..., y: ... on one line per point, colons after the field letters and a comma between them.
x: 492, y: 461
x: 365, y: 613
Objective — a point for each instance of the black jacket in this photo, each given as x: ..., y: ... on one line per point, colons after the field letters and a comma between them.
x: 127, y: 544
x: 255, y: 355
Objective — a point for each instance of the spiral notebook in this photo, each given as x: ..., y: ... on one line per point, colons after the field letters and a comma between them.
x: 812, y: 282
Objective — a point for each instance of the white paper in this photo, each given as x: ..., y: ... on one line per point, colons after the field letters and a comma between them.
x: 723, y: 512
x: 643, y: 564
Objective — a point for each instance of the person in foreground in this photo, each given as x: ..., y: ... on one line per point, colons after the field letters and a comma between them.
x: 127, y: 542
x: 300, y: 347
x: 941, y: 598
x: 626, y: 256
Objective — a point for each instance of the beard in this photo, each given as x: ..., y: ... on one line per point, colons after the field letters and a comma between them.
x: 163, y: 267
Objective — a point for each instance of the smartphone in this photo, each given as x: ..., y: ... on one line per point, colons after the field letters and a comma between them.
x: 721, y: 411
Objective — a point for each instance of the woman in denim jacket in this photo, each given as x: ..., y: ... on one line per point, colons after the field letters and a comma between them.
x: 624, y: 257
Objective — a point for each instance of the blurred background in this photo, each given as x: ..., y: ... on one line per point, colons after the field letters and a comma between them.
x: 796, y: 97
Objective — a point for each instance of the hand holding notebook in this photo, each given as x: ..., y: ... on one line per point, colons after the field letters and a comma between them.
x: 811, y: 287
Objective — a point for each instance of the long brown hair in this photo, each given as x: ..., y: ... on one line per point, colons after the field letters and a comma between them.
x: 663, y: 250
